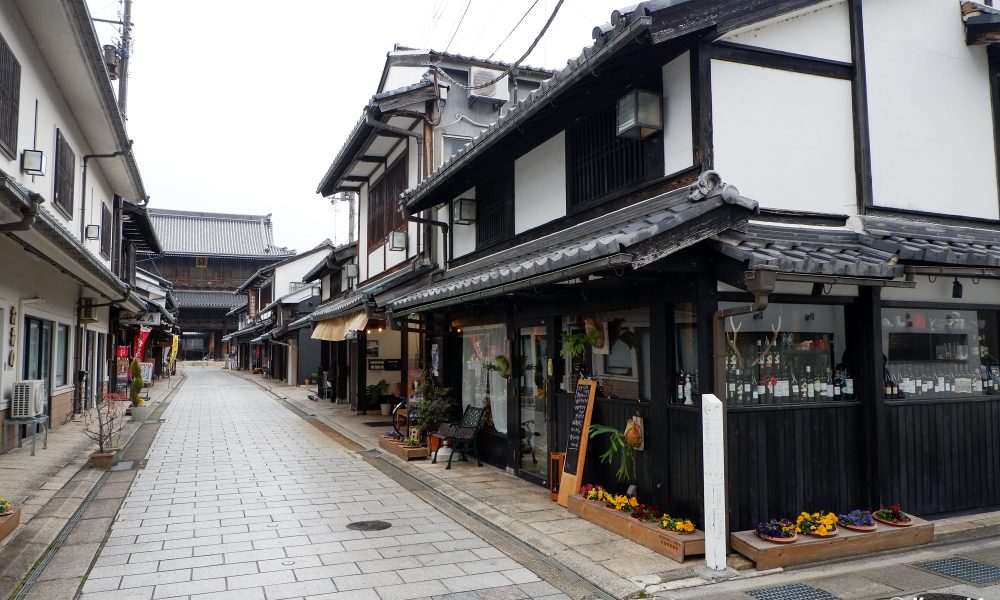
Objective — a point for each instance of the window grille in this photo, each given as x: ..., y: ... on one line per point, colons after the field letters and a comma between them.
x: 10, y: 96
x: 383, y: 200
x: 65, y: 174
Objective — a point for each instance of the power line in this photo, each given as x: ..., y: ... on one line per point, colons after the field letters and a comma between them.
x: 509, y: 69
x: 519, y: 21
x: 459, y: 26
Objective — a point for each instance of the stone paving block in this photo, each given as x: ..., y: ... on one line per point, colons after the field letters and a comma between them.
x: 426, y: 573
x: 187, y: 588
x: 129, y: 594
x: 215, y: 571
x: 160, y: 577
x: 258, y: 580
x: 409, y: 591
x: 102, y: 584
x: 283, y: 591
x: 388, y: 564
x: 476, y: 582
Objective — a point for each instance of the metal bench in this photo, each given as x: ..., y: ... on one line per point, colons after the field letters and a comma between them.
x: 462, y: 437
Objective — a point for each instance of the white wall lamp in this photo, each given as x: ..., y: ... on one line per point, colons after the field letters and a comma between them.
x: 351, y: 270
x: 639, y: 114
x: 464, y: 211
x: 93, y: 232
x: 33, y: 162
x: 397, y: 240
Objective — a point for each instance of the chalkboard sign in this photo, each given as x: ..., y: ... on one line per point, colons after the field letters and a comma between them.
x: 576, y: 446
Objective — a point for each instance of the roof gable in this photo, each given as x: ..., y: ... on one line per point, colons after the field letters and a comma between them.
x: 215, y: 234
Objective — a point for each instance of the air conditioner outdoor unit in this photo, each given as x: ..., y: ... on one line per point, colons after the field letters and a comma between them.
x: 88, y: 313
x: 496, y: 91
x: 28, y: 399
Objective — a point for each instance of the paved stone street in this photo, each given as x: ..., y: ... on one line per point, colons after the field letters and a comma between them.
x: 241, y: 498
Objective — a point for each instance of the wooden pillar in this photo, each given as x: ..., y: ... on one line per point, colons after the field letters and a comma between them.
x: 870, y: 391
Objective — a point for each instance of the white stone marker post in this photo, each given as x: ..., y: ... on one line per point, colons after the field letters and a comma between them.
x: 714, y: 458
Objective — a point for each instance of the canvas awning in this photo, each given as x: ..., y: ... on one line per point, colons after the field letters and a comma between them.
x: 335, y: 330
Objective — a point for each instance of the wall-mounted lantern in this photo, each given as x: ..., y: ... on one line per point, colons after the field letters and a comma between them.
x: 464, y: 211
x: 93, y: 232
x: 351, y: 270
x: 397, y: 240
x: 33, y: 162
x: 639, y: 114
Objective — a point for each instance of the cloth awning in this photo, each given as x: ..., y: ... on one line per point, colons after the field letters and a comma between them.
x: 335, y: 330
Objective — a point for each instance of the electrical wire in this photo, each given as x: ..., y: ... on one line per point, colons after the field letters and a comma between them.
x: 510, y: 69
x: 519, y: 21
x: 459, y: 26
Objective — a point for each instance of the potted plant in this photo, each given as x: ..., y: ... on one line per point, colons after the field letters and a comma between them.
x: 434, y: 409
x: 139, y: 409
x: 893, y: 515
x: 619, y: 449
x: 778, y: 531
x: 374, y: 394
x: 9, y: 517
x: 103, y: 425
x: 857, y: 520
x: 817, y: 524
x: 312, y: 378
x: 677, y: 525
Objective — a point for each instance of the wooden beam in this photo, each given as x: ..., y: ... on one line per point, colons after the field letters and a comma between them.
x: 784, y: 61
x: 859, y: 102
x: 993, y: 56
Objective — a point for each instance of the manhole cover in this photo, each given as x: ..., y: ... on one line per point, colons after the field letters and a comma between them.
x: 794, y: 591
x: 963, y: 569
x: 369, y: 525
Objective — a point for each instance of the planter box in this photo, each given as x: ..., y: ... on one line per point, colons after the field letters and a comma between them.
x: 808, y: 548
x: 404, y: 452
x: 9, y: 523
x: 672, y: 545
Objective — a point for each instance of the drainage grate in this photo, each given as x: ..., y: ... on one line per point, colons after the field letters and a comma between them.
x: 369, y: 525
x: 794, y: 591
x: 963, y: 569
x: 378, y: 423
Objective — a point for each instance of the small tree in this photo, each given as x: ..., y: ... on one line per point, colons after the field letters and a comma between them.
x: 103, y: 424
x: 135, y: 388
x: 436, y: 407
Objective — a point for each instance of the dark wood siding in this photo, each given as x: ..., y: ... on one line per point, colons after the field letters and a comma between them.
x: 65, y: 175
x: 10, y: 98
x: 490, y: 217
x: 105, y: 230
x: 383, y: 200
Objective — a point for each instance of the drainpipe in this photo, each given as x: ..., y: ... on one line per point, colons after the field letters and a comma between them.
x: 27, y: 216
x: 83, y: 196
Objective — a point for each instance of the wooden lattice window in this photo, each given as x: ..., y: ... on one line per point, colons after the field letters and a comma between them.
x: 491, y: 221
x: 600, y: 163
x: 10, y: 97
x: 65, y: 175
x: 105, y: 231
x: 383, y: 199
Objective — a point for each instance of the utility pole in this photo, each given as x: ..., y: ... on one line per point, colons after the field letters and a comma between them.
x: 126, y: 51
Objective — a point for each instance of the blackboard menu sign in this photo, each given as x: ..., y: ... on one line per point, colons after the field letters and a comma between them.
x: 576, y: 446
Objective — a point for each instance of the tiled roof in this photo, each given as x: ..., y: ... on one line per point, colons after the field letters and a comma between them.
x: 834, y: 251
x: 215, y: 234
x: 633, y: 236
x: 339, y: 306
x: 923, y: 241
x: 198, y: 299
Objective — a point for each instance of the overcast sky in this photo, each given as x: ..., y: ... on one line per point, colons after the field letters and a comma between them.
x: 241, y: 105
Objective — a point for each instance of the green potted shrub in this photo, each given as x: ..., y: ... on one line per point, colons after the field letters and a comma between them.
x: 435, y: 409
x: 135, y: 391
x: 374, y: 395
x: 619, y: 450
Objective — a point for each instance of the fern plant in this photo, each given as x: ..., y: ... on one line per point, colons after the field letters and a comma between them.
x: 618, y: 448
x: 574, y: 345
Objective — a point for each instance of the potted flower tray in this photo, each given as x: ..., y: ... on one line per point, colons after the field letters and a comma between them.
x: 810, y: 548
x: 674, y: 546
x: 401, y: 450
x: 9, y: 522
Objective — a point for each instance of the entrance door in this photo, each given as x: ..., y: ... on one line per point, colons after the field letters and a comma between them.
x: 38, y: 357
x: 533, y: 402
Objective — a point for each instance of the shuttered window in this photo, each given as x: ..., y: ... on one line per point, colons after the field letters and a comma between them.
x: 383, y: 201
x: 600, y: 163
x: 490, y: 213
x: 65, y: 175
x: 106, y: 231
x: 10, y: 96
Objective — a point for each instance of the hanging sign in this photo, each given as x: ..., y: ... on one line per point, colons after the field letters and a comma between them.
x: 576, y: 446
x: 173, y: 351
x: 142, y: 318
x: 139, y: 348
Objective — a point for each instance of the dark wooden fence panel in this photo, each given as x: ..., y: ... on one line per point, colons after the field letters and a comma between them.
x: 682, y: 493
x: 783, y: 461
x: 944, y: 455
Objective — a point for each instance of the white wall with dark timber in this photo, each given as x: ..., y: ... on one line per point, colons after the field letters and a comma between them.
x: 463, y: 237
x: 400, y: 76
x: 929, y: 109
x: 540, y: 184
x: 784, y: 139
x: 363, y: 249
x: 821, y: 31
x: 678, y: 138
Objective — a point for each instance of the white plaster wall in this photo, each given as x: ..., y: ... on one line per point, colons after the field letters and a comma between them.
x: 784, y: 139
x: 440, y: 241
x: 402, y: 76
x: 823, y: 31
x: 54, y: 113
x: 294, y: 271
x: 464, y: 236
x: 678, y: 135
x: 540, y: 184
x: 376, y: 261
x: 389, y: 346
x: 931, y: 122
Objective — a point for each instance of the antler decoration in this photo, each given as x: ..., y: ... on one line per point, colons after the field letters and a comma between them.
x: 732, y: 342
x: 775, y: 329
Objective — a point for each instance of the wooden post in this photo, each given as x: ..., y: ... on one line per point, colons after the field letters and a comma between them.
x: 713, y: 439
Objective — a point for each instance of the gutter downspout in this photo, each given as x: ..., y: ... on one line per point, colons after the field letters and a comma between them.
x: 83, y: 194
x: 27, y: 217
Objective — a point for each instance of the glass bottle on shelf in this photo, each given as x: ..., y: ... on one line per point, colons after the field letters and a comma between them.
x: 796, y: 390
x: 679, y: 397
x: 809, y: 383
x: 738, y: 392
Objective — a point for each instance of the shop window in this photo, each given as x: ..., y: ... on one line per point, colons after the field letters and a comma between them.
x: 618, y: 357
x: 485, y: 369
x: 788, y: 353
x: 685, y: 355
x: 62, y: 354
x: 935, y: 353
x: 37, y: 349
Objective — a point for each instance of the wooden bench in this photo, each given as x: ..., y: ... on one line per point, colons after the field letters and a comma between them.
x: 462, y: 437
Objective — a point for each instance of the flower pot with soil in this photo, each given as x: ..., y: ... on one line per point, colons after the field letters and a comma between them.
x: 892, y: 515
x: 817, y: 524
x: 857, y: 520
x: 776, y: 531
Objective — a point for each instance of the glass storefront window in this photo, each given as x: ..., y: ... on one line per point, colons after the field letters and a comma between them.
x: 619, y: 359
x: 933, y: 353
x: 685, y: 355
x: 62, y: 353
x: 788, y: 353
x: 486, y: 367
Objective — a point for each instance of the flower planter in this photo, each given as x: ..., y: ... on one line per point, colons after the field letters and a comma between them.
x: 402, y: 451
x: 861, y: 528
x: 894, y: 523
x: 829, y: 534
x: 9, y: 522
x: 140, y: 413
x: 778, y: 540
x: 673, y: 545
x: 103, y: 460
x: 808, y: 548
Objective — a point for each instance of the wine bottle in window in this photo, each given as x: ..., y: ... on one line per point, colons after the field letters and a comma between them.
x: 679, y: 396
x: 796, y: 389
x: 809, y: 383
x: 887, y: 384
x: 738, y: 378
x: 754, y: 390
x: 838, y: 384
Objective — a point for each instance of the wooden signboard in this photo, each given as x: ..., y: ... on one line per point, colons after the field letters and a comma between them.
x: 576, y: 447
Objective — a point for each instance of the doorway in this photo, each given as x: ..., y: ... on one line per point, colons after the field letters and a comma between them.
x: 533, y: 411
